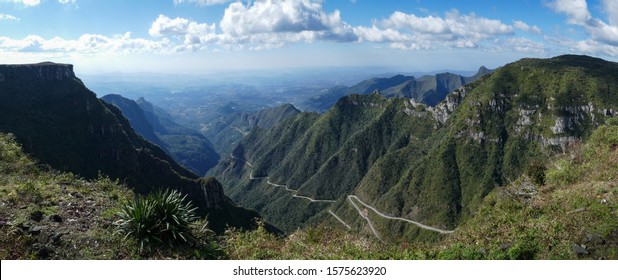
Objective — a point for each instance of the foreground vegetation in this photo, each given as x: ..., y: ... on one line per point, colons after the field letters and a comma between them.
x: 46, y: 214
x: 566, y: 208
x: 572, y: 213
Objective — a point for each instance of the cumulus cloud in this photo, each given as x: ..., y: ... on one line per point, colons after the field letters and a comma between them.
x: 8, y: 17
x: 26, y: 3
x: 32, y: 3
x: 576, y: 10
x: 92, y: 44
x: 67, y: 2
x: 600, y: 32
x: 196, y: 35
x: 520, y: 45
x: 611, y: 9
x: 267, y: 24
x: 526, y: 28
x: 409, y: 31
x: 259, y: 25
x: 284, y: 19
x: 201, y: 2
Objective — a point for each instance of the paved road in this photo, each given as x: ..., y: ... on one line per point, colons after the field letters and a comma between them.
x: 294, y: 193
x: 246, y: 162
x: 398, y: 218
x: 350, y: 198
x: 365, y: 216
x: 339, y: 219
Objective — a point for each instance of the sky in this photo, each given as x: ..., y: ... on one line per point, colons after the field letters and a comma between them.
x: 206, y: 36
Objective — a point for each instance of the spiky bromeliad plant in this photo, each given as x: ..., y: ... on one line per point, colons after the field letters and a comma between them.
x: 160, y: 218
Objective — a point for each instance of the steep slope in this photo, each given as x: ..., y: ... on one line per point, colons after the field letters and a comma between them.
x: 324, y: 157
x: 186, y: 146
x: 571, y: 215
x: 234, y: 125
x: 136, y: 117
x: 62, y: 123
x: 428, y: 89
x: 433, y: 165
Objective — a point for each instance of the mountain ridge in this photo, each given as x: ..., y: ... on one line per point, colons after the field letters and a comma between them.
x: 188, y: 147
x: 427, y: 89
x: 63, y: 124
x: 429, y: 164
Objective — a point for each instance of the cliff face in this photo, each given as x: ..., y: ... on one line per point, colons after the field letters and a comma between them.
x: 45, y: 71
x: 61, y: 123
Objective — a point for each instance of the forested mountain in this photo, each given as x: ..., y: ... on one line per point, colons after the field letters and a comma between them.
x: 432, y: 165
x: 518, y: 164
x: 429, y: 89
x: 233, y: 124
x: 188, y: 147
x: 62, y: 124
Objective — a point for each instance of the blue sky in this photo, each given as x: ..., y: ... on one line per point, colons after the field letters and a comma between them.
x: 216, y: 35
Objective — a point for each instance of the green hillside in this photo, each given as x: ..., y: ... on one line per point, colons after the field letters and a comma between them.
x: 188, y: 147
x: 434, y: 165
x: 573, y: 215
x: 62, y: 124
x: 234, y: 124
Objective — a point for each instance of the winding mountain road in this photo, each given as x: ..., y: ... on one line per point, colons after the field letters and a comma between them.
x: 366, y: 217
x: 351, y: 199
x: 339, y: 219
x: 246, y: 162
x: 441, y: 231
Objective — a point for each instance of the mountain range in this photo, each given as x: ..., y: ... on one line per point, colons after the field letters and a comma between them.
x: 188, y: 147
x: 64, y: 125
x: 234, y: 124
x: 433, y: 165
x: 428, y: 89
x: 517, y: 162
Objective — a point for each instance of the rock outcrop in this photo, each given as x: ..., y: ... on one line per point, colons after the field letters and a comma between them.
x: 45, y: 71
x: 61, y: 123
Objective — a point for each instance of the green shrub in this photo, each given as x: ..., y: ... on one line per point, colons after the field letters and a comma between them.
x: 536, y: 172
x: 524, y: 249
x: 564, y: 173
x: 161, y: 218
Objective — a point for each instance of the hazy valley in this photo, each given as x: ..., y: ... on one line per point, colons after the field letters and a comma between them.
x: 517, y: 162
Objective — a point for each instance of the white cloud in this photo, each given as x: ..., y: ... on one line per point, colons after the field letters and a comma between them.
x: 594, y: 47
x: 88, y: 44
x: 378, y: 35
x: 284, y: 19
x: 520, y: 45
x: 599, y: 31
x: 196, y: 35
x: 611, y: 9
x: 26, y: 3
x: 576, y: 10
x: 202, y: 2
x: 409, y: 31
x: 8, y: 17
x: 526, y: 28
x: 587, y: 46
x: 429, y: 24
x: 32, y: 3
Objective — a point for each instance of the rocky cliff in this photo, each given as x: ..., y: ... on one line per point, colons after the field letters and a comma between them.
x: 45, y: 71
x: 61, y: 123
